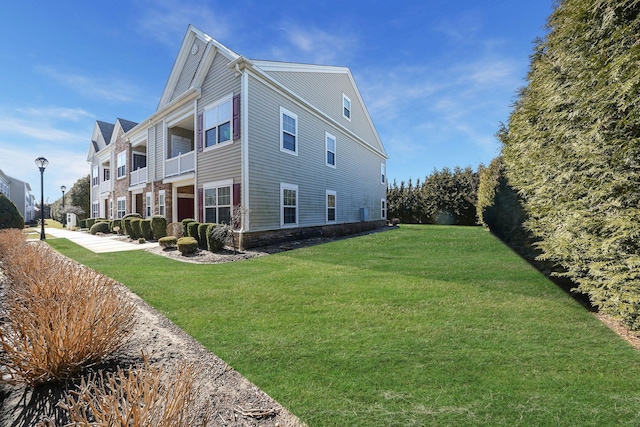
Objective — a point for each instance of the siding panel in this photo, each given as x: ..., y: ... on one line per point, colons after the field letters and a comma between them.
x: 189, y: 70
x: 356, y: 178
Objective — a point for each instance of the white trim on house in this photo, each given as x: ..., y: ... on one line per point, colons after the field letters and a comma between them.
x: 327, y: 137
x: 285, y: 128
x: 208, y: 109
x: 216, y: 185
x: 328, y: 220
x: 244, y: 162
x: 296, y: 205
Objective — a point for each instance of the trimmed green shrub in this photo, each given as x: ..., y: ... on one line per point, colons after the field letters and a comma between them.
x: 136, y: 230
x: 187, y: 245
x: 158, y: 226
x: 126, y: 224
x: 185, y: 225
x: 202, y: 236
x: 83, y: 223
x: 90, y: 222
x: 132, y: 215
x: 116, y: 223
x: 168, y: 242
x: 99, y: 227
x: 145, y: 227
x: 9, y: 215
x: 142, y: 240
x: 192, y: 229
x: 215, y: 241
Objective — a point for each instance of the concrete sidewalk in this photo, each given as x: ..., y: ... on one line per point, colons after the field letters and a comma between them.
x: 98, y: 244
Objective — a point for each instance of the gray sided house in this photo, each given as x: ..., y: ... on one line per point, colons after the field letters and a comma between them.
x: 290, y: 144
x: 19, y: 192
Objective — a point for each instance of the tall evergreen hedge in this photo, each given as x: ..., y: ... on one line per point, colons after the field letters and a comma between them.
x: 572, y: 149
x: 9, y: 215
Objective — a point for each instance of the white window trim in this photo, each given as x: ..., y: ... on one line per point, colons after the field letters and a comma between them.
x: 162, y: 205
x: 328, y: 136
x: 335, y: 208
x: 124, y: 211
x: 383, y: 208
x: 345, y: 97
x: 95, y: 176
x: 118, y: 165
x: 383, y: 173
x: 284, y: 186
x: 211, y: 106
x: 295, y: 117
x: 148, y: 204
x: 95, y: 210
x: 218, y: 184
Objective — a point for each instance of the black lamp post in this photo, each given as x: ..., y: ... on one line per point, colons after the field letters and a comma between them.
x: 42, y: 163
x: 64, y: 215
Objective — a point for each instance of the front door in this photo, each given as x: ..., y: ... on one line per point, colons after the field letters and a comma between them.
x: 138, y: 205
x: 185, y: 208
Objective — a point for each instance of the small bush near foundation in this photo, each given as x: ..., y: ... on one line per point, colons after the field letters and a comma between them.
x: 59, y: 316
x: 168, y: 242
x: 100, y: 227
x: 136, y: 230
x: 187, y: 245
x: 185, y: 225
x: 215, y: 242
x: 116, y: 223
x: 158, y: 226
x: 83, y: 223
x: 90, y: 222
x: 202, y: 236
x: 145, y: 227
x: 192, y: 229
x: 144, y: 396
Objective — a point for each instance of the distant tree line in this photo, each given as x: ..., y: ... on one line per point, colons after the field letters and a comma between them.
x: 444, y: 197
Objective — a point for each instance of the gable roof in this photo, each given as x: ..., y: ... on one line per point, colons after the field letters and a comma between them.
x: 101, y: 137
x: 126, y: 125
x: 106, y: 129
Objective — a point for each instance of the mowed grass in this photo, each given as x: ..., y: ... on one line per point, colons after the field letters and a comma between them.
x: 418, y: 326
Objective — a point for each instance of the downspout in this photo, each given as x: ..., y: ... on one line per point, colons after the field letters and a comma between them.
x: 244, y: 126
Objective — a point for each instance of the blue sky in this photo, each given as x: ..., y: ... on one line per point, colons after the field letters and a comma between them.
x: 438, y: 76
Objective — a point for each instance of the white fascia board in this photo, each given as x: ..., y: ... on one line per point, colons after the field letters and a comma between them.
x: 297, y: 67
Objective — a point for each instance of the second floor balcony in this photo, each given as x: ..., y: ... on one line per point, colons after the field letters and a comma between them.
x: 105, y: 186
x: 138, y: 176
x: 180, y: 164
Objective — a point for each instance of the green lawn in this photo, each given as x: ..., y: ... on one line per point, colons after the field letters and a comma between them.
x: 418, y: 326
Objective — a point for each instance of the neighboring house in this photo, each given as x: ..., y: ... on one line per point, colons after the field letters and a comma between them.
x: 19, y: 192
x: 292, y: 144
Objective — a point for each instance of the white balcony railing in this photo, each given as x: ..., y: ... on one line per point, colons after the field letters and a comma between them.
x: 180, y: 164
x: 105, y: 186
x: 139, y: 176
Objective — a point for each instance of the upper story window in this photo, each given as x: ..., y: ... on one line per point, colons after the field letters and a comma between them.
x: 330, y: 144
x: 122, y: 164
x: 217, y: 123
x: 383, y: 173
x: 288, y: 131
x: 94, y: 177
x: 346, y: 107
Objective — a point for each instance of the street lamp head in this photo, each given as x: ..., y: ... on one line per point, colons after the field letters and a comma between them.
x: 63, y: 188
x: 42, y: 163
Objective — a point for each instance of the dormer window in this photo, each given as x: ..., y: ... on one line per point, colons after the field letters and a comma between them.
x: 346, y: 107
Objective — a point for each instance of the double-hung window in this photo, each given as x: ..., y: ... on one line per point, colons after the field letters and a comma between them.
x: 122, y: 164
x: 121, y: 207
x: 383, y: 173
x: 95, y: 210
x: 330, y: 144
x: 288, y: 205
x: 288, y: 131
x: 94, y: 177
x: 217, y: 123
x: 383, y: 206
x: 331, y: 207
x: 218, y: 202
x: 149, y: 204
x: 346, y: 107
x: 162, y: 203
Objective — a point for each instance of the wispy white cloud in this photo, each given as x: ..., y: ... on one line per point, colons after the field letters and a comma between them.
x: 312, y: 45
x: 166, y: 21
x: 104, y: 88
x: 45, y: 123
